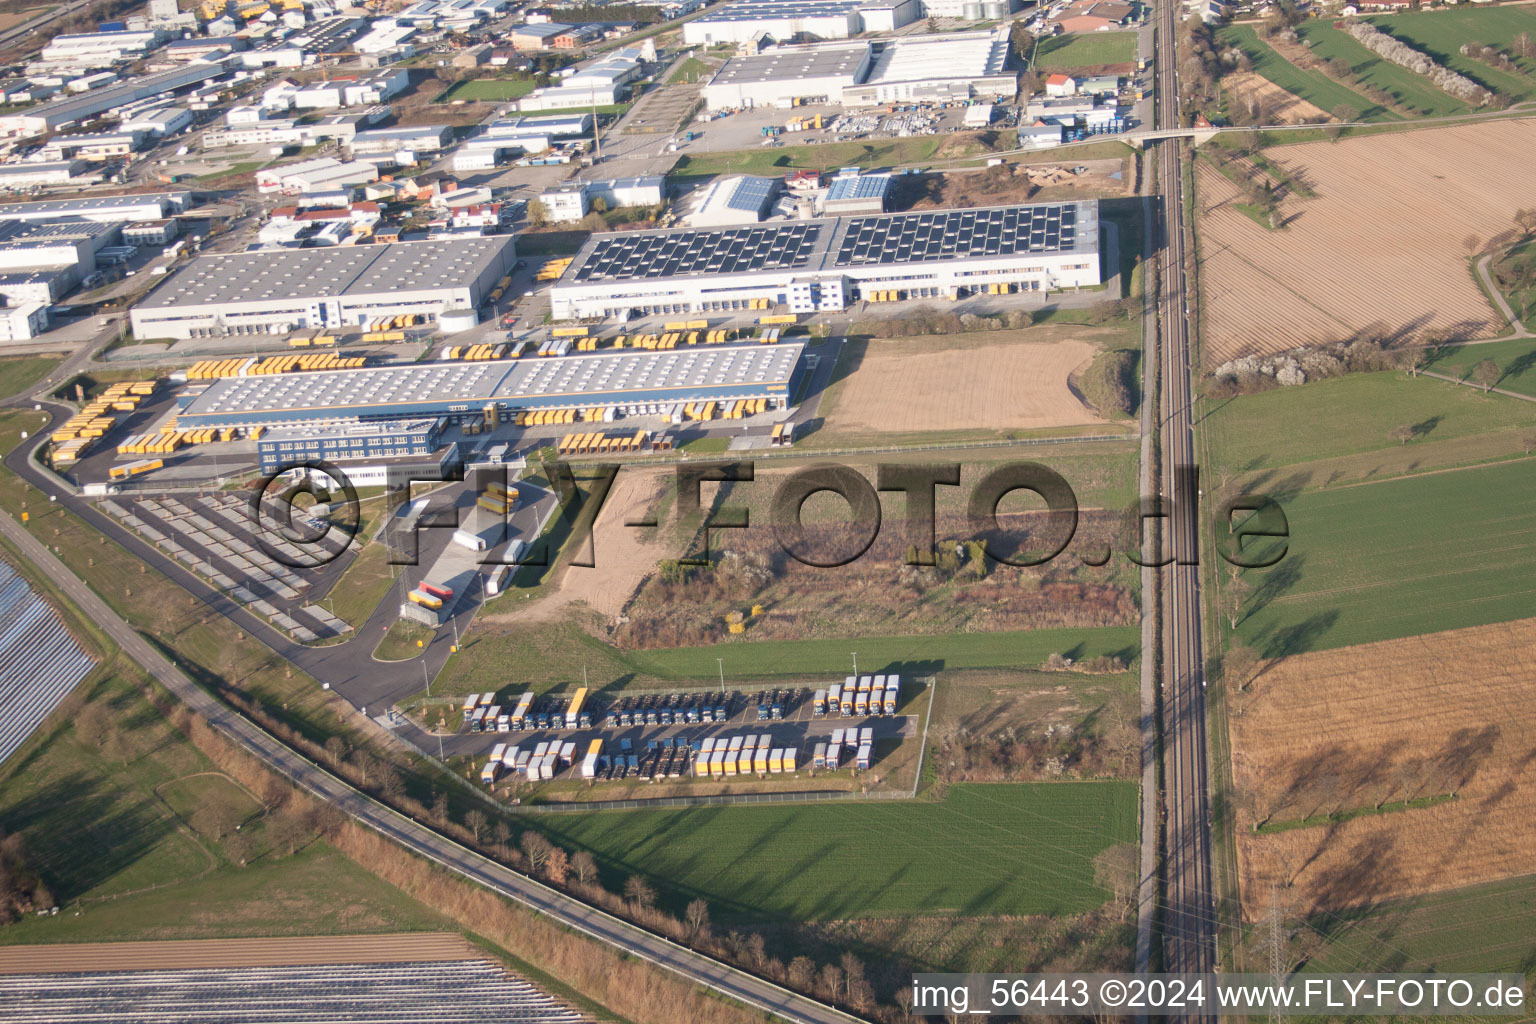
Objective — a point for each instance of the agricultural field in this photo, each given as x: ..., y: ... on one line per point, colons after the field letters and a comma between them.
x: 488, y: 90
x: 1085, y: 51
x: 1308, y: 86
x: 1441, y: 34
x: 1027, y: 849
x: 1345, y: 260
x: 1477, y: 928
x: 1397, y: 558
x: 1290, y: 438
x: 1410, y: 91
x: 989, y: 382
x: 1276, y: 106
x: 1437, y: 723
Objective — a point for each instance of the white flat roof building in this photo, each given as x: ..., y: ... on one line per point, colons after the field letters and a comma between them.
x: 741, y: 199
x: 60, y: 112
x: 940, y: 67
x: 141, y: 207
x: 276, y: 291
x: 48, y: 172
x: 99, y: 49
x: 738, y: 22
x: 785, y: 76
x: 830, y: 263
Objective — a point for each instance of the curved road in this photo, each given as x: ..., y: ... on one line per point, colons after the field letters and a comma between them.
x: 711, y: 974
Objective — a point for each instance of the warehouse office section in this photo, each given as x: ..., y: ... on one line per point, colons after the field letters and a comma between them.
x: 273, y: 292
x: 827, y: 264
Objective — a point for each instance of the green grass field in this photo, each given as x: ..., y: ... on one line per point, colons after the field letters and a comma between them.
x: 1069, y: 52
x: 688, y: 72
x: 984, y: 849
x: 488, y: 90
x: 1516, y: 361
x: 1313, y: 86
x: 1441, y: 34
x: 1399, y: 558
x: 117, y: 829
x: 1410, y: 90
x: 21, y: 373
x: 1350, y: 414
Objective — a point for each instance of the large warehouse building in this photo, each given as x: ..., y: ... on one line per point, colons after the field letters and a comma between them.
x: 785, y: 19
x: 828, y: 264
x: 275, y: 291
x: 940, y: 68
x: 633, y: 382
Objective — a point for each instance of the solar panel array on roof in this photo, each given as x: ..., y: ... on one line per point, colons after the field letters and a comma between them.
x: 750, y: 194
x: 957, y: 234
x: 863, y: 186
x: 726, y: 251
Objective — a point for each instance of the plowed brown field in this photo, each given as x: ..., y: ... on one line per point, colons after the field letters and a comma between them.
x: 1280, y: 106
x: 915, y: 384
x: 284, y: 952
x: 1381, y: 244
x: 1446, y: 713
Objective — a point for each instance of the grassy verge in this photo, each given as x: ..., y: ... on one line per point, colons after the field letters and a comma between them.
x: 402, y: 641
x: 19, y: 374
x: 554, y: 654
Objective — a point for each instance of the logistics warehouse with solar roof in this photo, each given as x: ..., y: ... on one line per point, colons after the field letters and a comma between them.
x: 828, y: 264
x: 634, y: 382
x: 276, y: 291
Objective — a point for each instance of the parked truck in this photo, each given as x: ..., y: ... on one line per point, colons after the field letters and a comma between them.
x: 573, y: 713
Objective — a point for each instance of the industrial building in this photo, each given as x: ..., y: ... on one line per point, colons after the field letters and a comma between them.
x: 829, y: 263
x: 138, y: 207
x: 786, y: 76
x: 633, y: 382
x: 288, y: 446
x: 785, y: 19
x: 49, y: 172
x: 284, y: 290
x: 570, y: 201
x: 936, y: 68
x: 740, y: 199
x: 55, y: 114
x: 601, y: 84
x: 856, y: 193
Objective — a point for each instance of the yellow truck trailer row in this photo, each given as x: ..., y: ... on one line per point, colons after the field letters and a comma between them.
x: 601, y: 443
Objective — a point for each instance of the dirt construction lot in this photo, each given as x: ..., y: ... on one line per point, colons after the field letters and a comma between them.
x: 998, y: 382
x: 1278, y: 106
x: 623, y: 556
x: 1417, y: 719
x: 1383, y: 242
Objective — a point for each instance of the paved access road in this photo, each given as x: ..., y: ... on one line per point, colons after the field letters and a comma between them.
x: 1189, y: 927
x: 698, y: 969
